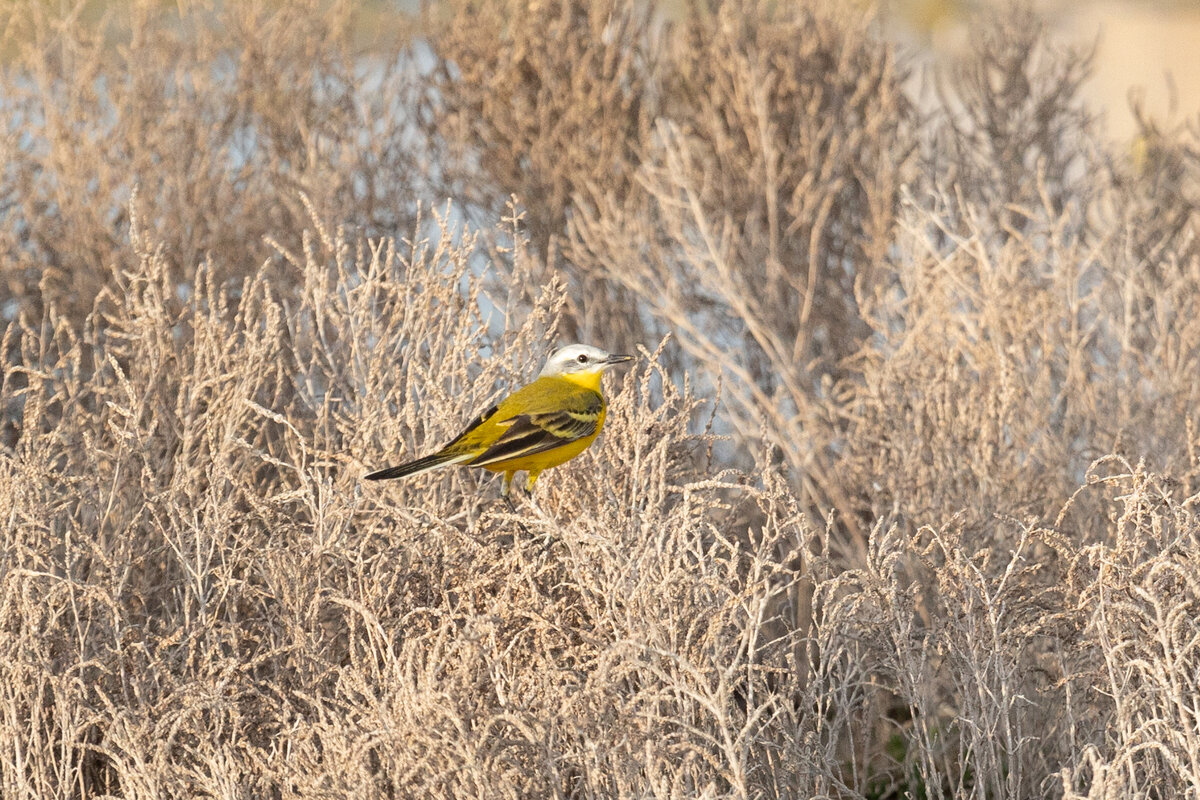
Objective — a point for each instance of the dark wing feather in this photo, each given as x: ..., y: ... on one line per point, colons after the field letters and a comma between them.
x: 530, y: 434
x: 436, y: 459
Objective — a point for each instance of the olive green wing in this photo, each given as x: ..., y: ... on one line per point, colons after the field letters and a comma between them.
x: 576, y: 417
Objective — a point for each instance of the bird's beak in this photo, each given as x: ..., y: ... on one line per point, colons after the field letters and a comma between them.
x: 616, y: 358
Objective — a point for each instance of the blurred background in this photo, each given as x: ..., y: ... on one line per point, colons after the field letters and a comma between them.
x: 1150, y: 48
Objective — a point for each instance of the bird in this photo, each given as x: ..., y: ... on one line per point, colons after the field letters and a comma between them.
x: 539, y: 426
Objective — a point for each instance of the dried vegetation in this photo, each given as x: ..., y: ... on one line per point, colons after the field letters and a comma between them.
x: 901, y: 499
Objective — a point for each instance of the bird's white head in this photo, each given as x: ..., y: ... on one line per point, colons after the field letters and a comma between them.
x: 580, y: 360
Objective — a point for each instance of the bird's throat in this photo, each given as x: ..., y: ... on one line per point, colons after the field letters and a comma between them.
x: 588, y: 380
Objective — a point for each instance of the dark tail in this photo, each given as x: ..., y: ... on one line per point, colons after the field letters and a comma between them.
x: 412, y: 467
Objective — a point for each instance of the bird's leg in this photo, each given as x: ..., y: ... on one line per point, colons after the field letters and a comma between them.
x: 506, y: 493
x: 548, y: 539
x: 533, y: 476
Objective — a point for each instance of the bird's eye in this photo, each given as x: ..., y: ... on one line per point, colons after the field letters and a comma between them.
x: 582, y: 358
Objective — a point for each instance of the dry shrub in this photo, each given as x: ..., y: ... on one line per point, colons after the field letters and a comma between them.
x: 227, y: 609
x: 1016, y: 649
x: 1138, y: 600
x: 1012, y: 131
x: 223, y: 113
x: 768, y: 199
x: 902, y: 503
x: 543, y: 101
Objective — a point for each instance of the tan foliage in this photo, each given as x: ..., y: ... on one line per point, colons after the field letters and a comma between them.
x: 900, y: 499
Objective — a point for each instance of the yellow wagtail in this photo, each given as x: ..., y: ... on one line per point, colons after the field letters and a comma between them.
x: 538, y: 426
